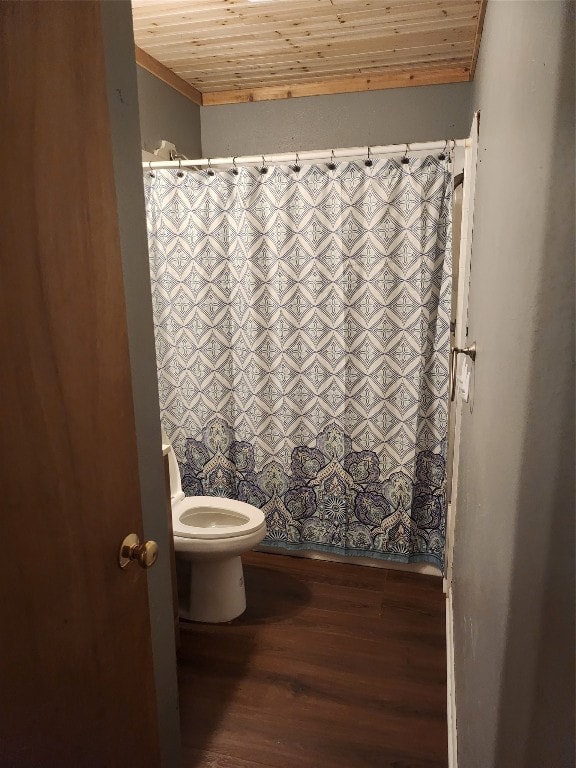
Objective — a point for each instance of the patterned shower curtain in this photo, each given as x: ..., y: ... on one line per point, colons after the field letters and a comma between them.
x: 302, y: 335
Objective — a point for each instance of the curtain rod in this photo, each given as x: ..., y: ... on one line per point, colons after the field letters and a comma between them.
x: 321, y: 154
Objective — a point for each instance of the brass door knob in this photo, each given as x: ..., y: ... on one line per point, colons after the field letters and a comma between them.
x: 145, y: 554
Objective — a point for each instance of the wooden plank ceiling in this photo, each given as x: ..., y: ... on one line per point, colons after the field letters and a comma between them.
x: 227, y: 51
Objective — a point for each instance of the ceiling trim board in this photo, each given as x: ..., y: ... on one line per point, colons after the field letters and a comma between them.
x: 162, y: 72
x: 338, y: 85
x: 477, y: 39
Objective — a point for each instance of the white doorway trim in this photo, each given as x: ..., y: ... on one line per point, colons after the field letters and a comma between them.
x: 460, y: 340
x: 460, y: 337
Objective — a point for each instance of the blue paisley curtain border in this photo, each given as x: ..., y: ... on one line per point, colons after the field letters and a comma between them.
x: 228, y: 470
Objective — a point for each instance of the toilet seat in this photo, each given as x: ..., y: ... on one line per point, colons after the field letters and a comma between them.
x: 213, y: 517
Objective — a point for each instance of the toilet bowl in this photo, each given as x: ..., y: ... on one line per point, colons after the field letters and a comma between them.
x: 210, y: 535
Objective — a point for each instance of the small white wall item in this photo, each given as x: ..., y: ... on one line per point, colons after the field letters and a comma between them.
x: 163, y: 152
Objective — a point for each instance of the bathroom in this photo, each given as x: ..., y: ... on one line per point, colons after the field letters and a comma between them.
x: 266, y: 128
x: 512, y: 580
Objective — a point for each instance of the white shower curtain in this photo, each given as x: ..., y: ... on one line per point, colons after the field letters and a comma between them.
x: 302, y: 330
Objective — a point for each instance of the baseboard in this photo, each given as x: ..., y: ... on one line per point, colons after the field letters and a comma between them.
x: 451, y: 697
x: 427, y: 569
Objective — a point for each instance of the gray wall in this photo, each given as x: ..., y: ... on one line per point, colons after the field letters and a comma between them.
x: 166, y: 114
x: 514, y: 546
x: 391, y: 116
x: 122, y: 100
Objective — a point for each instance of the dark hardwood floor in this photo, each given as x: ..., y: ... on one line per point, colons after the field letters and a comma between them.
x: 332, y: 665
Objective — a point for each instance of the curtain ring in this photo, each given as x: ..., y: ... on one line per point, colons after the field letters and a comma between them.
x: 235, y: 170
x: 405, y: 158
x: 368, y: 162
x: 210, y: 172
x: 151, y: 172
x: 442, y: 155
x: 179, y: 172
x: 263, y: 169
x: 296, y: 167
x: 331, y: 165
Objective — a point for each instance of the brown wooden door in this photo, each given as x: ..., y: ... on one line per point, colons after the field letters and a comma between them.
x: 76, y: 668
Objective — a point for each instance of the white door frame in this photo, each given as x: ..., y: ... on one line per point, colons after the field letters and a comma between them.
x: 460, y: 340
x: 460, y: 336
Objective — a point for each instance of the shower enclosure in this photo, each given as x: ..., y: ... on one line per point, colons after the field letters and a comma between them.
x: 302, y: 317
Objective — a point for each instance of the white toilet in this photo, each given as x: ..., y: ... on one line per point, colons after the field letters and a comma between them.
x: 210, y: 534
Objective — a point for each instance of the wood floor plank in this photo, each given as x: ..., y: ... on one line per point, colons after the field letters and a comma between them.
x: 367, y: 663
x: 209, y: 759
x: 331, y: 665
